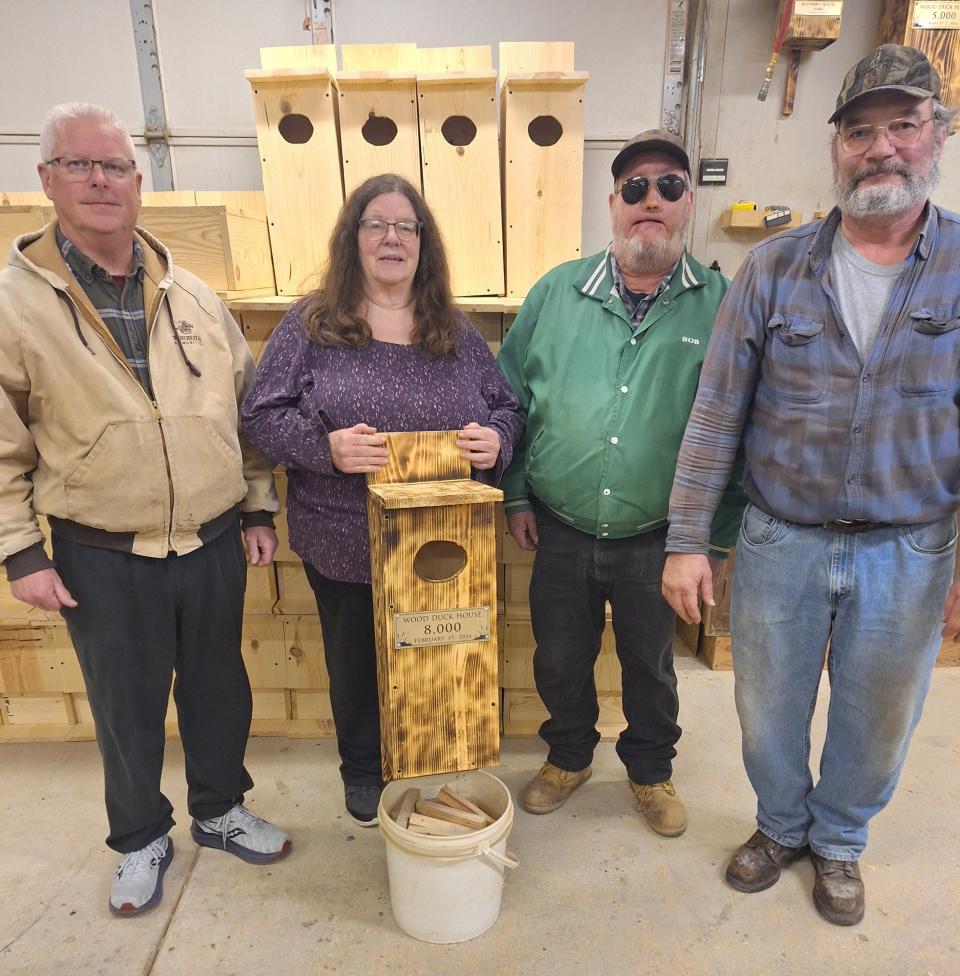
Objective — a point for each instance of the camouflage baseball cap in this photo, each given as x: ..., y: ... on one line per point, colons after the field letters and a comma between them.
x: 653, y: 140
x: 891, y: 67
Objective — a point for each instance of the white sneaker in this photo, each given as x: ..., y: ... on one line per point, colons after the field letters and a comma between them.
x: 138, y: 884
x: 242, y: 833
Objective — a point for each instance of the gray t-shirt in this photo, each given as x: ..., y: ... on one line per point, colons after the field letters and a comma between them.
x: 862, y: 289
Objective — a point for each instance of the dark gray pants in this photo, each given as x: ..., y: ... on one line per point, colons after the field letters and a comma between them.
x: 574, y: 574
x: 139, y: 621
x: 350, y: 646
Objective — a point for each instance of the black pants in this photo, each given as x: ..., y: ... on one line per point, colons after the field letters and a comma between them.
x: 574, y: 574
x: 350, y: 648
x: 139, y: 620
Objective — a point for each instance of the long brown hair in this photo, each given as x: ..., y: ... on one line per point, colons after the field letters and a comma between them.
x: 331, y: 313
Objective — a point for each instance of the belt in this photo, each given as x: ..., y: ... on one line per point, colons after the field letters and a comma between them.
x: 852, y: 526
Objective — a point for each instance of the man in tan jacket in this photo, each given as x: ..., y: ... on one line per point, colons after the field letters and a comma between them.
x: 121, y: 377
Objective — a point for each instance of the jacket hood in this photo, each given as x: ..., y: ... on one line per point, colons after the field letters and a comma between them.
x: 38, y: 253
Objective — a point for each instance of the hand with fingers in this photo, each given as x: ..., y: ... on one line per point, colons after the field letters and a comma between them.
x: 951, y: 614
x: 687, y: 576
x: 42, y: 589
x: 523, y: 527
x: 479, y: 445
x: 261, y: 543
x: 358, y: 449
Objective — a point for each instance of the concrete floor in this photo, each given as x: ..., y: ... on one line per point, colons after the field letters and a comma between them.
x: 596, y: 892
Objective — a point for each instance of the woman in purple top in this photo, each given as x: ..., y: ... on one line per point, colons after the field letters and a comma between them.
x: 377, y: 347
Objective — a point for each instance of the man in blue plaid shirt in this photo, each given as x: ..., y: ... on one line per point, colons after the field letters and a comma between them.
x: 834, y: 362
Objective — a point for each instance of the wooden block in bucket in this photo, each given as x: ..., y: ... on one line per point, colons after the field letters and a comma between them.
x: 421, y: 824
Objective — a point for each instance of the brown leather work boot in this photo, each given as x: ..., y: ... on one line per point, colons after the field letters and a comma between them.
x: 756, y: 865
x: 551, y: 787
x: 838, y: 891
x: 661, y: 807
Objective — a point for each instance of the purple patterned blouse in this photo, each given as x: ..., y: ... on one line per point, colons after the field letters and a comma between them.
x: 301, y: 390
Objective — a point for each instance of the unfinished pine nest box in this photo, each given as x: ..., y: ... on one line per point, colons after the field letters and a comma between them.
x: 377, y: 94
x: 541, y: 117
x: 433, y: 566
x: 296, y: 115
x: 461, y: 174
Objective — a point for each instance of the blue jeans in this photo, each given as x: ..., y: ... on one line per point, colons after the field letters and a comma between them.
x: 574, y: 575
x: 878, y: 597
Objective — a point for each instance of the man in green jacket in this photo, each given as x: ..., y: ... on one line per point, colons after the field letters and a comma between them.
x: 604, y: 356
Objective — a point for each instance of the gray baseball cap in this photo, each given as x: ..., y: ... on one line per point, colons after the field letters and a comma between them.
x: 653, y: 140
x: 891, y: 67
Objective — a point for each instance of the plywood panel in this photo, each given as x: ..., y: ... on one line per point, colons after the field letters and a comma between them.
x: 364, y: 98
x: 423, y: 455
x: 301, y: 180
x: 543, y: 184
x: 471, y: 222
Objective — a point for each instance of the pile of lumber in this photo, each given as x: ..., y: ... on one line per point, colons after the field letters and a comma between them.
x: 449, y: 814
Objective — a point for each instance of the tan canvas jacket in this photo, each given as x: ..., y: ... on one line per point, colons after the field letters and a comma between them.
x: 80, y: 438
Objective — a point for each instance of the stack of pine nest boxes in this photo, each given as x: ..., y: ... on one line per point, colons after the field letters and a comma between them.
x: 431, y: 115
x: 222, y: 238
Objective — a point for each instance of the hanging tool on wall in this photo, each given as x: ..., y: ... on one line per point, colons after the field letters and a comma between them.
x: 802, y: 25
x: 785, y: 13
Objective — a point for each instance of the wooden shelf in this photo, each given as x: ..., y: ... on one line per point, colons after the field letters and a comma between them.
x: 753, y: 220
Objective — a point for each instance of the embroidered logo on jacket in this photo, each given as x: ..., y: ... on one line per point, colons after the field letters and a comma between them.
x: 185, y: 330
x: 695, y: 342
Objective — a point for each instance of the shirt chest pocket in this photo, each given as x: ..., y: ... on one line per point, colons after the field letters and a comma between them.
x: 795, y: 366
x: 931, y: 351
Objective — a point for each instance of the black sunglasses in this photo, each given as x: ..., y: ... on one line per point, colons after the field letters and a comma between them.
x: 670, y: 186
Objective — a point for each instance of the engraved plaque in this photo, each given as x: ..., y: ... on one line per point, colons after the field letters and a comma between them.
x: 936, y: 14
x: 428, y: 627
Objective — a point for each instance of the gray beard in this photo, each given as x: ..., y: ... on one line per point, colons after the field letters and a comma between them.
x: 642, y: 259
x: 885, y: 201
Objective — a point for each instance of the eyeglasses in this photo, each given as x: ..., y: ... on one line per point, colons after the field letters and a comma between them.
x: 79, y: 168
x: 900, y: 132
x: 376, y: 230
x: 670, y: 186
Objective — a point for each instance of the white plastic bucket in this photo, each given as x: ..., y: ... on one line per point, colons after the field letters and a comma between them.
x: 448, y: 889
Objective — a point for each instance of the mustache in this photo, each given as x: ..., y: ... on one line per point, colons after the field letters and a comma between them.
x: 882, y: 169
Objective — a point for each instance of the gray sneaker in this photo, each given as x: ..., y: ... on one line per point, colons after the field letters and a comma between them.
x: 362, y: 803
x: 242, y: 833
x: 138, y: 884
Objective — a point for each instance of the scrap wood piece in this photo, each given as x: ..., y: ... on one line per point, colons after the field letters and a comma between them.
x: 430, y: 808
x: 462, y: 801
x: 407, y: 806
x: 421, y: 824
